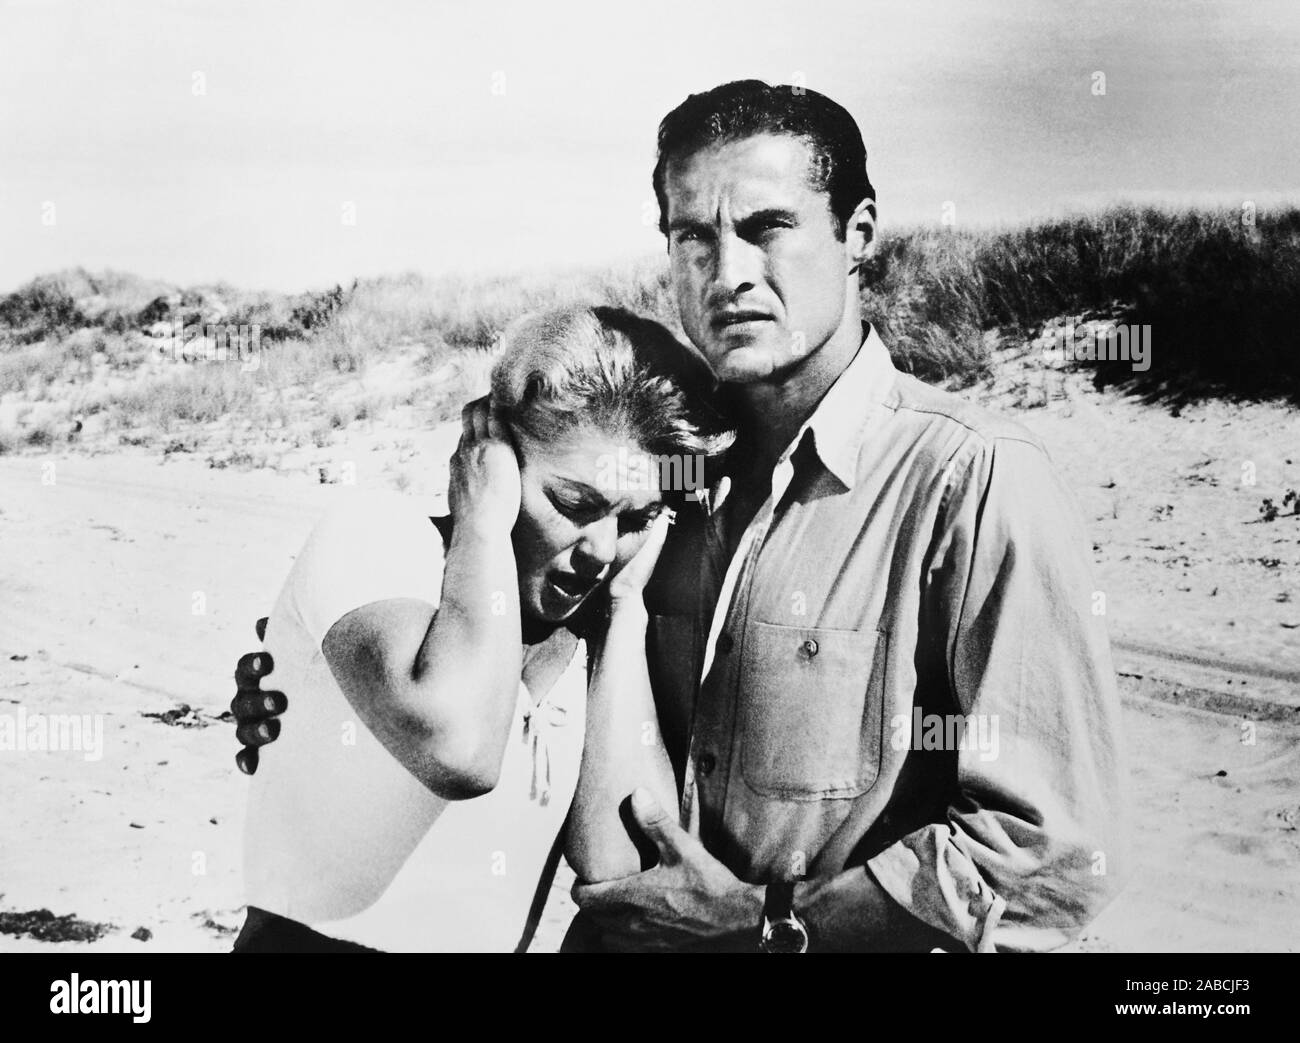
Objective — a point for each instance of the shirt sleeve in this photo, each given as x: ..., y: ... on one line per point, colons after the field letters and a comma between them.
x: 1032, y: 845
x: 378, y: 549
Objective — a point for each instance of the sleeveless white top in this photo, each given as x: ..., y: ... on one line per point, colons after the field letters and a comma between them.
x: 339, y: 835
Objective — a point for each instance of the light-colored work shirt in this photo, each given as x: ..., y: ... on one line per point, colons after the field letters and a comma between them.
x: 902, y: 670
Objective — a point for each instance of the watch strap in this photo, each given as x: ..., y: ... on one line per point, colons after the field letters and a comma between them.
x: 778, y: 903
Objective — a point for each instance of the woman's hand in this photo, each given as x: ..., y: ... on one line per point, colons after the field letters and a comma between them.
x: 485, y: 489
x: 627, y: 589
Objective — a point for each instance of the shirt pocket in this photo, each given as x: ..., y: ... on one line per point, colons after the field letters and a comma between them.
x: 812, y: 710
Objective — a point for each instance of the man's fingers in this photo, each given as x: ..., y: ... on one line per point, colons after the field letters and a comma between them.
x: 257, y: 706
x: 597, y: 898
x: 257, y: 733
x: 659, y: 826
x: 615, y: 910
x: 254, y: 709
x: 251, y: 668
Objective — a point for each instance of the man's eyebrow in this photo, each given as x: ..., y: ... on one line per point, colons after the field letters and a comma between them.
x: 767, y: 216
x: 688, y: 224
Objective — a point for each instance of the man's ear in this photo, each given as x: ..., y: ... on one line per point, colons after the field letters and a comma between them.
x: 860, y: 234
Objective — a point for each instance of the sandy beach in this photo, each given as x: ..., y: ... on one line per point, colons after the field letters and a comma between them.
x: 131, y: 582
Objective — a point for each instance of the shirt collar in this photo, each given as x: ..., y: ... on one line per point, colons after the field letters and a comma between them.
x: 839, y: 423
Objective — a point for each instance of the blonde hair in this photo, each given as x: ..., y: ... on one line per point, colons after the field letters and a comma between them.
x: 610, y: 369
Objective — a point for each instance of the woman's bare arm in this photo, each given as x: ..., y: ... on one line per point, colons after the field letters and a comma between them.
x: 439, y: 689
x: 624, y: 748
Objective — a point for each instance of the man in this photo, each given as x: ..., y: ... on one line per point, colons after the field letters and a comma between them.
x: 883, y: 549
x: 889, y: 704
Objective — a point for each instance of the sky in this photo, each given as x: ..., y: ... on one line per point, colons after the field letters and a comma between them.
x: 291, y: 145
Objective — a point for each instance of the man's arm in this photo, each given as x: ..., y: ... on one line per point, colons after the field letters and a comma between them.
x: 1032, y: 844
x: 851, y: 912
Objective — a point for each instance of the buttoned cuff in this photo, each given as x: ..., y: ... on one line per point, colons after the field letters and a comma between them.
x: 940, y: 888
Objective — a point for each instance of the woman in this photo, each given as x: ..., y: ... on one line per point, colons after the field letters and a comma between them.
x: 445, y: 672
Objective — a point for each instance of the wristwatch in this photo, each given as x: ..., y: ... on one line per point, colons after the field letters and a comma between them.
x: 782, y: 931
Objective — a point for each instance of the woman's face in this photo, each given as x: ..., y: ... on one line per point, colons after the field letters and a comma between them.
x: 588, y: 499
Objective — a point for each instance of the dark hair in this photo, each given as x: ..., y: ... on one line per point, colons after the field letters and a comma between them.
x: 745, y: 108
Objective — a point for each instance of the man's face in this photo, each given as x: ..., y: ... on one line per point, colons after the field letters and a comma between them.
x: 760, y: 276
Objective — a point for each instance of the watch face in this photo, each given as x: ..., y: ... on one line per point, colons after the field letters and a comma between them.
x: 785, y: 936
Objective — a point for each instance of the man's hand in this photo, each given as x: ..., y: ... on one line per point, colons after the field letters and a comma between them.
x: 689, y: 897
x: 255, y: 711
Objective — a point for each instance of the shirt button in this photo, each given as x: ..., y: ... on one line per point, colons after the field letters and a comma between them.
x: 810, y: 647
x: 707, y: 763
x: 725, y: 643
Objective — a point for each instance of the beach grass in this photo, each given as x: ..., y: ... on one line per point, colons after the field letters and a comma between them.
x: 1219, y: 289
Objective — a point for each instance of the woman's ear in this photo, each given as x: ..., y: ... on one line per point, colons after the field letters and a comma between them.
x: 860, y: 234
